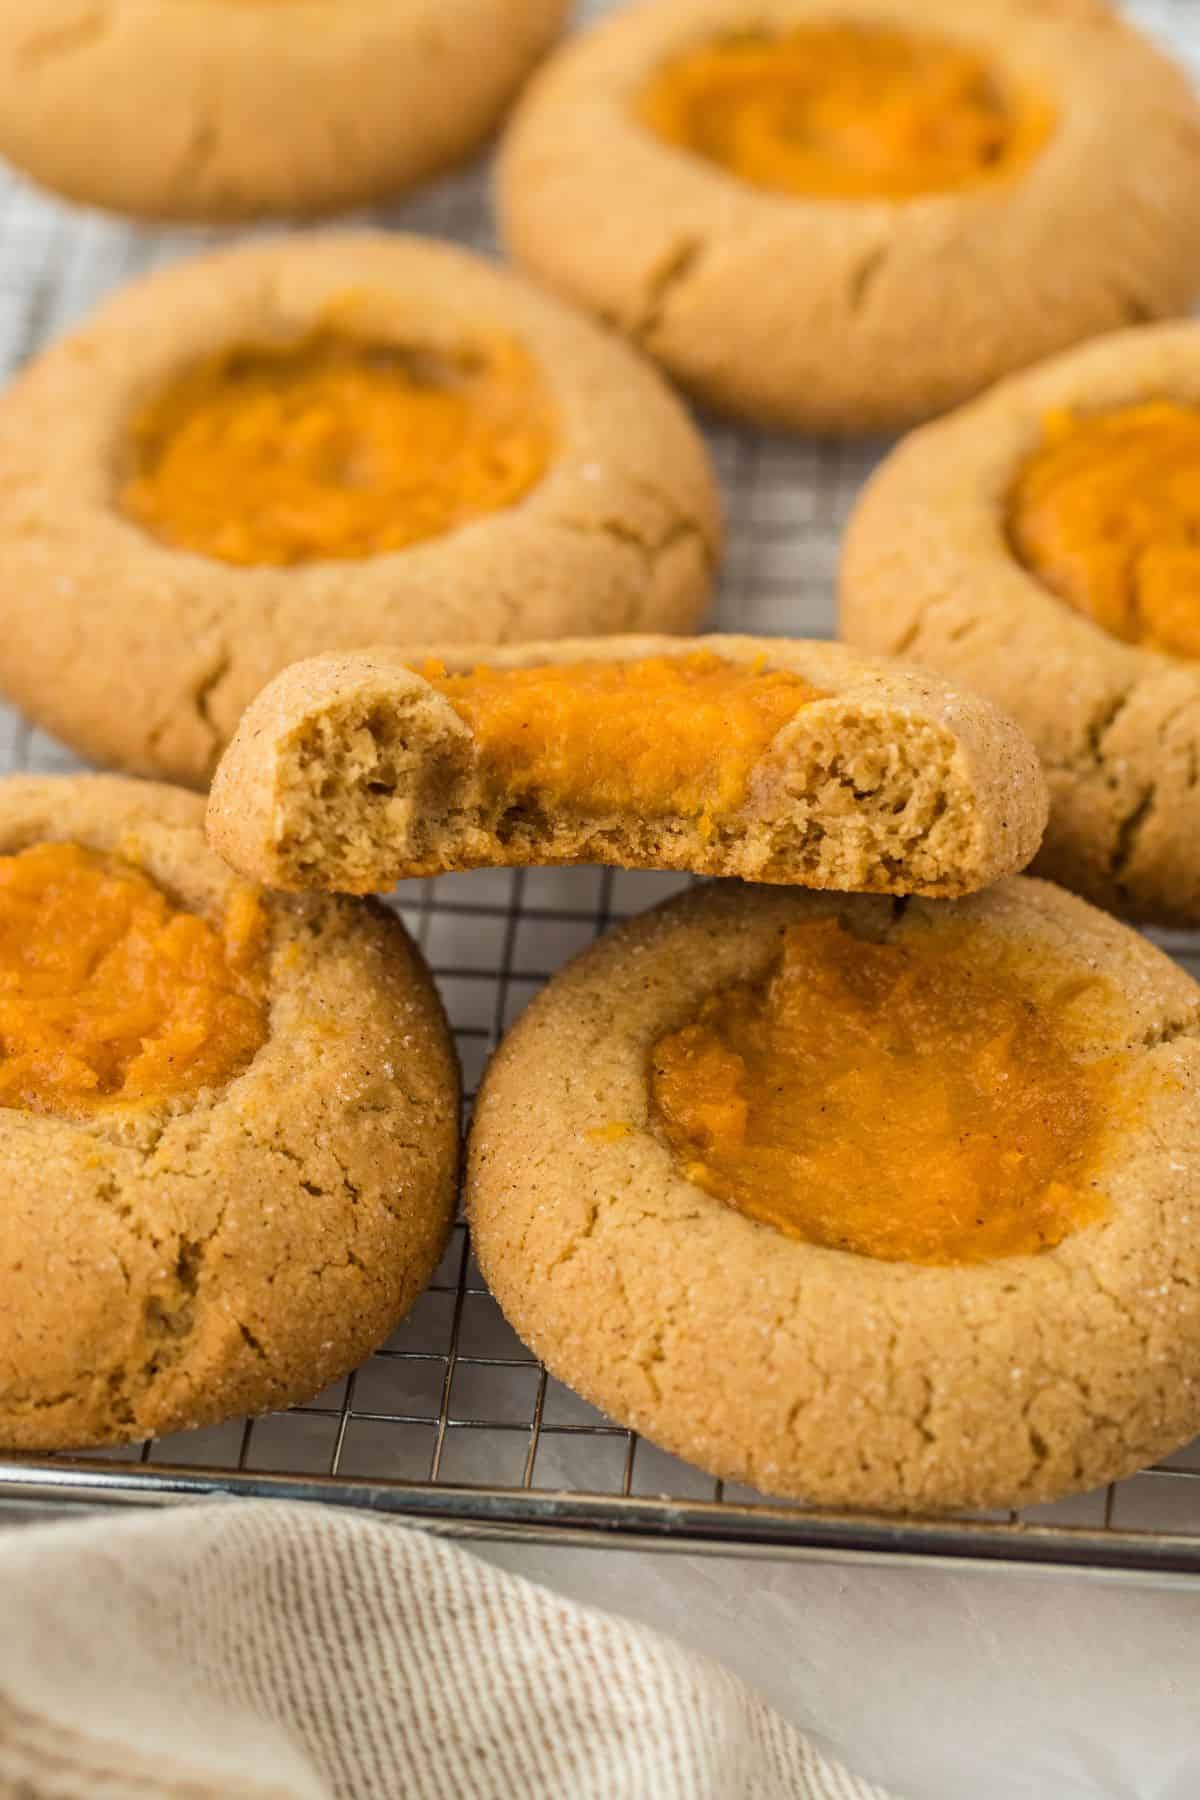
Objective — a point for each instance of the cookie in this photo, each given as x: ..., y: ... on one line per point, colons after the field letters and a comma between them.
x: 203, y: 112
x: 1039, y: 546
x: 840, y: 224
x: 228, y: 1124
x: 772, y: 759
x: 874, y: 1205
x: 465, y: 460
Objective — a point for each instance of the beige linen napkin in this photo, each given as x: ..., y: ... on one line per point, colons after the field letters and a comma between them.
x: 261, y: 1651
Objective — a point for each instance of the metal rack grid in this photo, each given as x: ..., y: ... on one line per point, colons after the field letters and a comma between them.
x: 452, y: 1423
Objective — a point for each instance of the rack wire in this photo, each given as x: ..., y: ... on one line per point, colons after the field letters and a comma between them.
x: 452, y: 1424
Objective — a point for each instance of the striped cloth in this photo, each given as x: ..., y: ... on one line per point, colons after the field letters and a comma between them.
x: 260, y: 1651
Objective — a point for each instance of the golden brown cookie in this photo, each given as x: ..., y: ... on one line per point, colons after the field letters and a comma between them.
x: 319, y: 443
x: 230, y: 109
x: 1039, y: 546
x: 838, y: 221
x: 772, y: 759
x: 981, y: 1283
x: 228, y: 1124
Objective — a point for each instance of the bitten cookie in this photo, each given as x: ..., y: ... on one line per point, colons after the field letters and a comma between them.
x: 837, y: 220
x: 319, y: 443
x: 772, y: 759
x: 873, y: 1205
x: 1041, y: 547
x: 195, y: 110
x: 228, y: 1124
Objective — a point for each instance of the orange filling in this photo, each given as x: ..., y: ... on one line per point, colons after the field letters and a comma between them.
x: 1107, y: 515
x: 664, y: 735
x: 845, y: 112
x: 109, y: 993
x: 331, y: 448
x: 895, y: 1100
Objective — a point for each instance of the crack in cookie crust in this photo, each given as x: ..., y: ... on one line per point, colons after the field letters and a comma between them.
x: 811, y: 1372
x: 160, y: 106
x: 622, y: 532
x: 179, y: 1265
x: 888, y: 312
x: 927, y: 571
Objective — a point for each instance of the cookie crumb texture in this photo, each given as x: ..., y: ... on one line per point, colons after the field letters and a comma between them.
x: 192, y: 1253
x: 196, y: 111
x: 840, y: 1378
x: 843, y: 223
x: 765, y: 759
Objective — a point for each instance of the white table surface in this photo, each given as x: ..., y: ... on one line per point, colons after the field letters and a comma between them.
x: 940, y: 1686
x: 936, y: 1685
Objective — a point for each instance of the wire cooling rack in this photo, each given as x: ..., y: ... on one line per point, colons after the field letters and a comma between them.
x: 452, y: 1423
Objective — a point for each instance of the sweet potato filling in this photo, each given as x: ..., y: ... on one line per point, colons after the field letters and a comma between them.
x: 894, y: 1100
x: 109, y: 993
x: 334, y: 449
x: 1107, y: 514
x: 676, y: 735
x: 845, y: 112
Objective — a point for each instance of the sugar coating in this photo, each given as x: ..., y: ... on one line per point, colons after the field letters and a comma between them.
x: 833, y: 1377
x: 143, y: 656
x: 845, y: 316
x: 175, y: 1263
x: 929, y: 571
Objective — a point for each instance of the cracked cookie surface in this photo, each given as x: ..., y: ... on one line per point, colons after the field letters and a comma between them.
x: 143, y: 655
x: 930, y: 572
x: 198, y: 111
x: 773, y: 759
x: 173, y: 1254
x: 841, y: 1378
x: 867, y: 310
